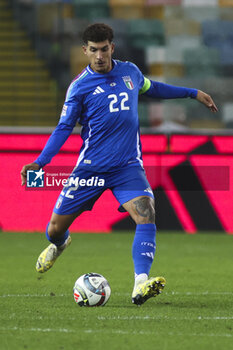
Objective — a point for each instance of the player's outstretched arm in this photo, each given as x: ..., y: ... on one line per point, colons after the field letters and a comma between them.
x: 165, y: 91
x: 207, y: 101
x: 31, y: 166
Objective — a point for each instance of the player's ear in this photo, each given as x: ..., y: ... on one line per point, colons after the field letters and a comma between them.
x: 84, y: 49
x: 112, y: 47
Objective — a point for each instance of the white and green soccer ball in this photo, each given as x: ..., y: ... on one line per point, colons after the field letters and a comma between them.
x: 91, y: 289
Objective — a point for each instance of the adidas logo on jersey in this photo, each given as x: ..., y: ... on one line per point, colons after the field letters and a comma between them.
x: 98, y: 90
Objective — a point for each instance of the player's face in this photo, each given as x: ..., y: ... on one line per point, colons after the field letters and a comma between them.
x: 99, y: 55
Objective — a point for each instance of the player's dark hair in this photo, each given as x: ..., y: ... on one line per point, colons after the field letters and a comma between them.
x: 97, y: 32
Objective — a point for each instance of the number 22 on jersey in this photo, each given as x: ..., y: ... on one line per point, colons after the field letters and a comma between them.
x: 123, y: 97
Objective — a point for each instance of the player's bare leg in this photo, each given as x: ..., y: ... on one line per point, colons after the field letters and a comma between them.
x: 141, y: 209
x: 57, y: 232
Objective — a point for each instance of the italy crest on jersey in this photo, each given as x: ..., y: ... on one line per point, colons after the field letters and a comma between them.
x: 128, y: 82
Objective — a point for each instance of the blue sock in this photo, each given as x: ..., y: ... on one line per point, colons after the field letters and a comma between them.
x: 143, y: 249
x: 57, y: 241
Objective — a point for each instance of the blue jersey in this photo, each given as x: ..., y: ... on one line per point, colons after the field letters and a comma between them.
x: 106, y: 107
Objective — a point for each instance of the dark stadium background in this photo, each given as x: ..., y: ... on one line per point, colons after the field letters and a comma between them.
x: 186, y: 149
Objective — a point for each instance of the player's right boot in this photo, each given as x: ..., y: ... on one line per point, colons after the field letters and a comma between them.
x: 148, y: 289
x: 49, y: 255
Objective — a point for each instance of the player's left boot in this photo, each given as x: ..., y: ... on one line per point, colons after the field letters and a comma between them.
x: 148, y: 289
x: 49, y: 255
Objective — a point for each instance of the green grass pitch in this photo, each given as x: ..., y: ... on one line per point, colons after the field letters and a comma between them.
x: 195, y: 311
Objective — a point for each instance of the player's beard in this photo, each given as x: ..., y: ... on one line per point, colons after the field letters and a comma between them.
x: 102, y: 68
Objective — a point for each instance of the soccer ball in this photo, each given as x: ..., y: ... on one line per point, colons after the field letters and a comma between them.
x: 91, y: 289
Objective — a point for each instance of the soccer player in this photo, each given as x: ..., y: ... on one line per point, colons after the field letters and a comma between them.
x: 103, y: 98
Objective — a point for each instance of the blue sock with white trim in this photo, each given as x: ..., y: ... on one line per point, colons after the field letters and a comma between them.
x: 57, y: 241
x: 143, y: 249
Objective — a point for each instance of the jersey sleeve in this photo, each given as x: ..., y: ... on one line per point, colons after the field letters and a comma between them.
x: 54, y: 143
x: 165, y: 91
x: 70, y: 115
x: 72, y: 108
x: 146, y: 86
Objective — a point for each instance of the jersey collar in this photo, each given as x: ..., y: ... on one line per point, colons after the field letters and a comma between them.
x: 114, y: 64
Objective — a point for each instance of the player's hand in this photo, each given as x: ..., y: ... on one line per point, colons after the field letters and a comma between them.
x: 207, y: 101
x: 31, y: 166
